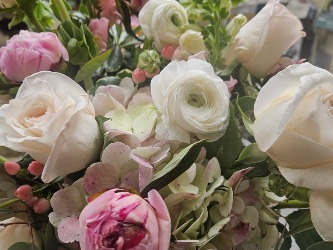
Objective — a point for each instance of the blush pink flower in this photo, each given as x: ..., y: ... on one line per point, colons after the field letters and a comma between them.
x: 30, y: 52
x: 99, y: 28
x: 120, y: 220
x: 109, y: 11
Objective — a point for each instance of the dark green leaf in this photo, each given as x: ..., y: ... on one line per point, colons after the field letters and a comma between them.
x: 251, y: 154
x: 90, y: 41
x: 114, y: 61
x: 100, y: 120
x: 227, y: 148
x: 307, y: 238
x: 325, y: 245
x: 124, y: 73
x: 91, y: 66
x: 178, y: 165
x: 124, y: 11
x: 18, y: 18
x: 299, y: 221
x: 23, y: 246
x: 50, y: 241
x: 108, y: 80
x: 245, y: 106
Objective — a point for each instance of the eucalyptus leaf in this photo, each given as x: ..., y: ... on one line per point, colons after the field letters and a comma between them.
x: 23, y: 246
x: 325, y: 245
x: 178, y: 165
x: 91, y: 66
x: 251, y: 154
x: 50, y: 241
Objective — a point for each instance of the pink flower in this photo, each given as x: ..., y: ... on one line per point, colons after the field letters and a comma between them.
x: 109, y: 11
x: 137, y: 5
x: 120, y: 220
x: 30, y: 52
x: 99, y: 28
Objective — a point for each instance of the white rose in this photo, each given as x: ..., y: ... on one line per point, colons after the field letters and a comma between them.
x: 294, y: 124
x: 161, y: 20
x: 53, y: 120
x: 14, y: 233
x: 191, y: 98
x: 261, y: 42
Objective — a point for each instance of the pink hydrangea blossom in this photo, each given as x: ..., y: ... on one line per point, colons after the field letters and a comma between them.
x: 120, y: 220
x: 30, y: 52
x: 99, y: 28
x: 109, y: 11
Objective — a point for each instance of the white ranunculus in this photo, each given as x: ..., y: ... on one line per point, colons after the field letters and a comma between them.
x: 161, y: 20
x: 14, y: 233
x: 294, y: 118
x: 191, y: 98
x: 260, y: 43
x: 192, y: 42
x: 53, y: 120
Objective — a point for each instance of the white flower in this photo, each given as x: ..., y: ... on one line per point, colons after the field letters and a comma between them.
x: 14, y: 233
x: 191, y: 98
x: 53, y: 120
x: 192, y: 42
x: 261, y: 42
x: 294, y: 124
x: 161, y: 20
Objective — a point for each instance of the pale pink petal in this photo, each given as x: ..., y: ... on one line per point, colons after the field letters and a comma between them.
x: 68, y: 229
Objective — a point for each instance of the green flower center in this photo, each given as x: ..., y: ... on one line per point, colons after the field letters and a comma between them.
x: 196, y: 100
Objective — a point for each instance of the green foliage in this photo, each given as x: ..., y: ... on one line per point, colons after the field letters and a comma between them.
x: 23, y: 246
x: 50, y: 241
x: 251, y: 154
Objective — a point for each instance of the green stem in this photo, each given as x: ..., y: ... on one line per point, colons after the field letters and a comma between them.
x: 3, y: 159
x: 62, y: 10
x: 292, y: 204
x: 35, y: 21
x: 9, y: 202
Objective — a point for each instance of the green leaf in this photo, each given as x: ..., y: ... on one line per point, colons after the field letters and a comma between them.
x: 227, y: 148
x: 55, y: 9
x: 100, y: 120
x: 325, y: 245
x: 23, y: 246
x: 178, y: 165
x: 114, y: 61
x: 299, y: 221
x: 245, y: 104
x: 251, y: 154
x: 91, y: 66
x: 50, y: 241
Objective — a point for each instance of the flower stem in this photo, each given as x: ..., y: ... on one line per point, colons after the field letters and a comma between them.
x: 9, y: 202
x: 62, y: 10
x: 3, y: 159
x: 292, y: 204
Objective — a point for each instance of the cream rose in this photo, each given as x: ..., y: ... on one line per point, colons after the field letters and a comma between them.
x: 260, y: 43
x: 53, y: 120
x: 294, y: 118
x: 161, y: 20
x: 14, y: 233
x: 191, y: 98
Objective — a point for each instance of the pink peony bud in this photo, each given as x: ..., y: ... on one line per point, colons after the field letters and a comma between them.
x: 12, y: 168
x: 138, y: 76
x: 149, y: 75
x: 109, y: 11
x: 99, y: 28
x: 167, y: 52
x: 42, y: 206
x: 24, y: 192
x: 30, y: 52
x: 36, y: 168
x: 118, y: 219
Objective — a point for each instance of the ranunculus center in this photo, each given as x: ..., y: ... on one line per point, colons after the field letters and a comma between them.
x: 196, y: 100
x: 131, y: 235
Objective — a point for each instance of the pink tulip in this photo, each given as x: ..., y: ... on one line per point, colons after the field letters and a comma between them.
x: 109, y: 11
x: 99, y: 28
x: 29, y: 52
x: 120, y: 220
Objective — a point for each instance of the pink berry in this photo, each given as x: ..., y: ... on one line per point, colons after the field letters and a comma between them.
x: 12, y: 168
x: 149, y: 75
x: 138, y: 76
x: 42, y: 206
x: 24, y: 192
x: 36, y: 168
x: 167, y: 52
x: 32, y: 201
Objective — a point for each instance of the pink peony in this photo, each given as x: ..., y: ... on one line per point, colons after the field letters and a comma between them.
x: 109, y: 11
x: 99, y: 28
x: 120, y: 220
x: 29, y: 52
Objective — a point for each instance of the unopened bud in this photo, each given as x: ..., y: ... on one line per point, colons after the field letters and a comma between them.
x: 138, y: 76
x: 24, y: 192
x: 42, y: 206
x: 12, y: 168
x: 36, y: 168
x: 167, y: 52
x: 149, y: 61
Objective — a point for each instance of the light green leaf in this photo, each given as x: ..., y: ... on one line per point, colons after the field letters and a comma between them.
x: 91, y: 66
x: 178, y: 165
x: 251, y: 154
x: 245, y: 104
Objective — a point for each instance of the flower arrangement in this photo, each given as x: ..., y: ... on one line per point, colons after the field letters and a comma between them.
x: 161, y: 124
